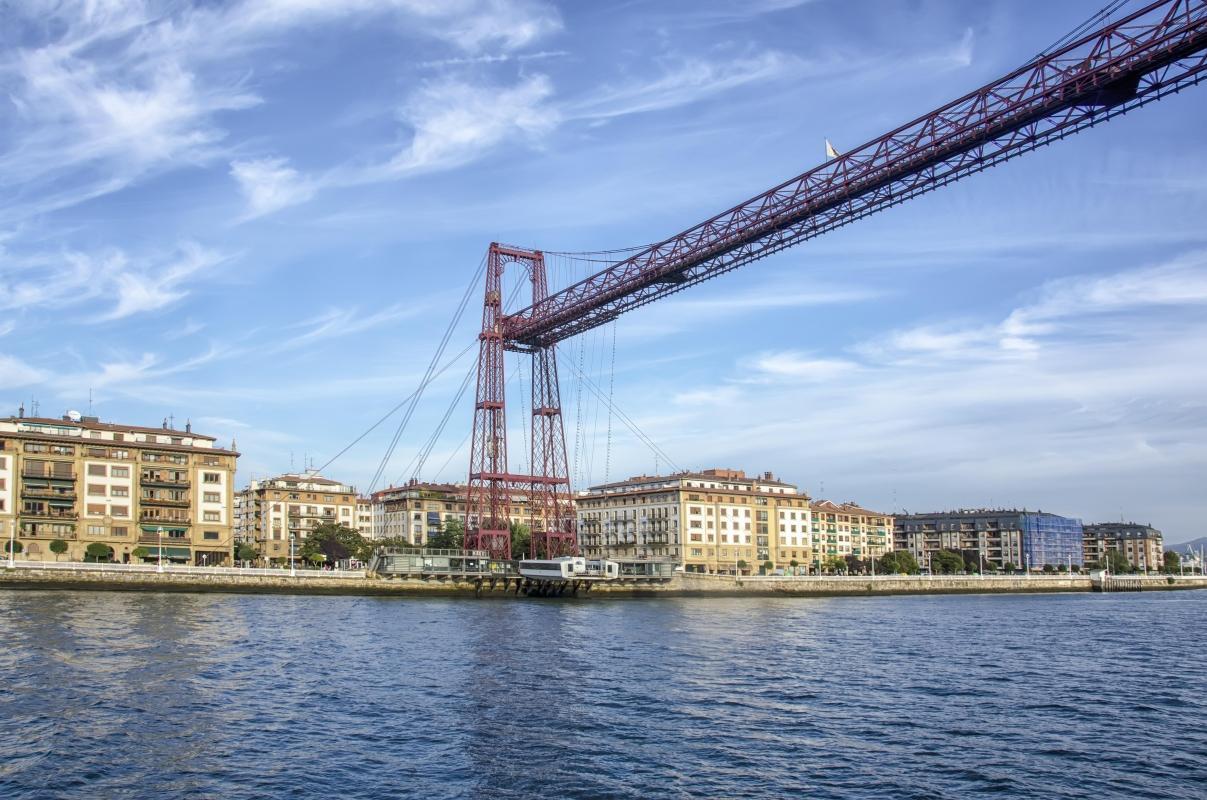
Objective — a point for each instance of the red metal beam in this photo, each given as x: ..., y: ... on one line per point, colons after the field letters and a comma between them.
x: 1140, y: 58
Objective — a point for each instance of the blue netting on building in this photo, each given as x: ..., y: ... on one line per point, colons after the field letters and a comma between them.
x: 1050, y: 539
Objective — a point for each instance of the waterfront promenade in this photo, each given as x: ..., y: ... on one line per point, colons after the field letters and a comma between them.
x: 142, y: 577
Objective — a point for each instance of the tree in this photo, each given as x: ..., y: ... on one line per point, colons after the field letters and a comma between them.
x: 945, y: 562
x: 1049, y: 569
x: 898, y: 562
x: 98, y: 551
x: 834, y: 563
x: 521, y: 538
x: 1009, y: 566
x: 1117, y: 563
x: 335, y: 542
x: 316, y: 558
x: 768, y: 565
x: 58, y: 547
x: 140, y: 552
x: 1173, y: 561
x: 742, y: 564
x: 450, y: 537
x: 246, y: 552
x: 13, y: 547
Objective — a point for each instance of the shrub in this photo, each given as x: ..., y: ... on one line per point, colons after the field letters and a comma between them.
x: 58, y: 547
x: 98, y: 551
x: 13, y: 547
x: 140, y: 552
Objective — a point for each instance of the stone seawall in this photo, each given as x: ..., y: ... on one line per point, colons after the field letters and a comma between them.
x: 682, y: 585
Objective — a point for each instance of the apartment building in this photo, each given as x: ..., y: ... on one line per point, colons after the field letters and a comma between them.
x: 1142, y: 545
x: 1025, y: 539
x: 272, y: 511
x: 82, y: 481
x: 712, y: 521
x: 364, y: 517
x: 848, y: 529
x: 417, y: 510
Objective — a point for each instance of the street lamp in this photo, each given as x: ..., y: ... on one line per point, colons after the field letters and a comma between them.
x: 159, y: 568
x: 292, y: 566
x: 12, y: 543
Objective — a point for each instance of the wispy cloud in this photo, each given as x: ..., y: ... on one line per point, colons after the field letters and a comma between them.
x: 270, y: 184
x: 15, y: 372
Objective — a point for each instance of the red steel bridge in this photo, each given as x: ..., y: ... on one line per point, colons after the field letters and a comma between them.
x: 1140, y: 57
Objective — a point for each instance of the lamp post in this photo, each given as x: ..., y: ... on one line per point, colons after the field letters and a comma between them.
x: 12, y: 543
x: 292, y: 567
x: 159, y: 567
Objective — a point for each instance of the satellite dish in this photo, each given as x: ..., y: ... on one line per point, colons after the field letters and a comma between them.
x: 74, y: 416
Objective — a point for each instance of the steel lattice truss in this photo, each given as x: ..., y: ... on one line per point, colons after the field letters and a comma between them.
x: 1140, y: 58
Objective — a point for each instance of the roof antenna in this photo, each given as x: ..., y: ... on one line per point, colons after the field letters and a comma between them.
x: 90, y: 401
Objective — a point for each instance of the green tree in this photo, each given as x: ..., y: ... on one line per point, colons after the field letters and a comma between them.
x: 13, y: 546
x: 1117, y: 563
x: 898, y: 562
x: 768, y: 565
x: 742, y: 565
x: 1048, y: 568
x: 945, y: 562
x: 834, y: 563
x: 521, y: 539
x: 246, y: 552
x: 316, y: 558
x: 140, y: 552
x: 1173, y: 561
x: 1009, y: 566
x: 451, y: 536
x: 58, y: 547
x: 335, y: 542
x: 98, y: 551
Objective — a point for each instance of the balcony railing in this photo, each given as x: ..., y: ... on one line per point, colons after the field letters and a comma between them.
x: 168, y: 541
x: 147, y: 517
x: 166, y: 501
x: 52, y: 513
x: 48, y: 491
x: 159, y: 481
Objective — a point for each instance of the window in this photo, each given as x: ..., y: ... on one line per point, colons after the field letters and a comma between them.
x: 211, y: 477
x: 96, y: 509
x: 210, y: 535
x: 120, y: 531
x: 96, y: 489
x: 119, y: 472
x: 119, y: 491
x: 3, y: 462
x: 96, y: 530
x: 3, y: 484
x: 212, y: 516
x: 97, y: 469
x: 213, y: 497
x: 119, y: 511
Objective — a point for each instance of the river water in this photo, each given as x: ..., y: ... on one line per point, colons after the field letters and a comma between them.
x: 139, y: 695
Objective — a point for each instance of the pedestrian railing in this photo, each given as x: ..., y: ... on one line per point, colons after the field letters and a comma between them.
x: 180, y: 569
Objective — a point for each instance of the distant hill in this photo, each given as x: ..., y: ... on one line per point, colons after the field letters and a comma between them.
x: 1182, y: 547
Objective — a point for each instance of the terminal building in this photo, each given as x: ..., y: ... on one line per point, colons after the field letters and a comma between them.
x: 1142, y: 545
x: 77, y: 488
x: 1003, y: 538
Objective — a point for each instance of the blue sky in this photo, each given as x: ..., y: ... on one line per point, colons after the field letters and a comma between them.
x: 261, y: 216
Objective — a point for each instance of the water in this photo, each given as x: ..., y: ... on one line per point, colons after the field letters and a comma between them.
x: 138, y: 695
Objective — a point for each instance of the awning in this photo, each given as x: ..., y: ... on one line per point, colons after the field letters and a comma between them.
x: 166, y: 530
x: 168, y: 552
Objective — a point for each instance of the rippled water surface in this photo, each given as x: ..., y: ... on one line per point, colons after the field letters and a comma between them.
x: 138, y: 695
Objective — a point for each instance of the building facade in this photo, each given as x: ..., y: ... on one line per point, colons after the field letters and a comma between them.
x: 848, y: 529
x: 713, y: 521
x: 82, y: 481
x: 416, y: 511
x: 273, y: 511
x: 1142, y: 545
x: 1024, y: 539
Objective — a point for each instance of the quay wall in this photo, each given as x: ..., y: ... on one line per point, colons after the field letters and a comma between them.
x: 684, y: 585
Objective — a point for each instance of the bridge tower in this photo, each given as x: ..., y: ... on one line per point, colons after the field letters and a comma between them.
x: 492, y: 487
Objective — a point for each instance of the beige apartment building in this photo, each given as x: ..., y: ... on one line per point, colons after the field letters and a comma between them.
x: 848, y: 529
x: 272, y: 511
x: 416, y: 511
x: 1142, y: 545
x: 82, y: 481
x: 711, y: 521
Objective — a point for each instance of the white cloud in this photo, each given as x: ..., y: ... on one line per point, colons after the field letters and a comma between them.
x: 797, y: 366
x: 15, y: 372
x: 270, y: 184
x: 687, y: 81
x: 110, y: 277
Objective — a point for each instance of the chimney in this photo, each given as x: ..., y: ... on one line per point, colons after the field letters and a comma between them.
x: 188, y: 426
x: 165, y: 423
x: 21, y: 411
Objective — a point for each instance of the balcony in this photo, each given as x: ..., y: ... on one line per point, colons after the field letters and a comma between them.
x: 52, y: 513
x: 52, y: 492
x: 165, y: 501
x: 166, y: 522
x: 43, y: 475
x: 168, y: 541
x: 33, y: 531
x: 154, y: 480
